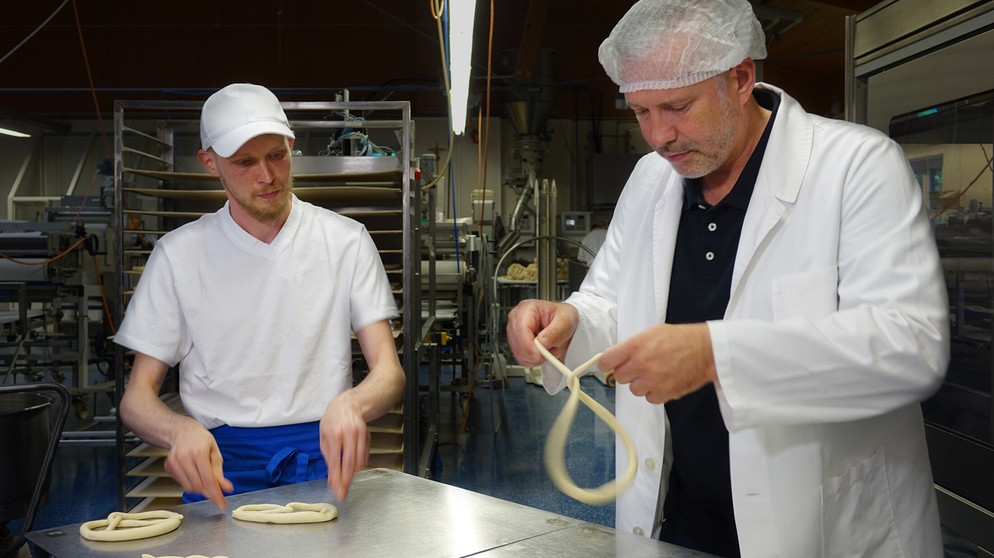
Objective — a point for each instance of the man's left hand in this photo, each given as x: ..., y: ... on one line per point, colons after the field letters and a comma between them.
x: 663, y: 362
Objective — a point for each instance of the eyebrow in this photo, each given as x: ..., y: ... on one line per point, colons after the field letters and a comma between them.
x: 679, y: 101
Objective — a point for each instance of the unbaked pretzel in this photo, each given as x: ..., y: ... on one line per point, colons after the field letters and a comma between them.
x: 555, y: 444
x: 120, y: 526
x: 294, y: 512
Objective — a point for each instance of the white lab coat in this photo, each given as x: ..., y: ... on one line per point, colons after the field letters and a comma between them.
x: 836, y: 329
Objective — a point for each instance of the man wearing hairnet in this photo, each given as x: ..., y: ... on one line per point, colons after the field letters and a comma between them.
x: 770, y: 299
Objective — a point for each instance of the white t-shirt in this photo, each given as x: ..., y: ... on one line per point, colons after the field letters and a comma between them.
x: 260, y: 331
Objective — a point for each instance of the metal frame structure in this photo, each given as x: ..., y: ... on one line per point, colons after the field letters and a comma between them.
x: 166, y: 117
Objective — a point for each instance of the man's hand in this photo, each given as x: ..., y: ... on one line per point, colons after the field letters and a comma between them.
x: 553, y: 323
x: 345, y: 443
x: 663, y: 362
x: 195, y: 462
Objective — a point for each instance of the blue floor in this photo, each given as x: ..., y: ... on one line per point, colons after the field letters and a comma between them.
x: 499, y: 453
x: 502, y: 451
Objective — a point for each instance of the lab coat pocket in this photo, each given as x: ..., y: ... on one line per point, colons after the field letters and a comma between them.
x: 810, y: 294
x: 857, y: 512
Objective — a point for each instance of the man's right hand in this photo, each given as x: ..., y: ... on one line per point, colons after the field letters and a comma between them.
x: 553, y: 323
x: 195, y: 461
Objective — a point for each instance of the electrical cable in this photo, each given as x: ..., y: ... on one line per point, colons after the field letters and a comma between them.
x: 486, y: 134
x: 483, y: 158
x: 89, y: 76
x: 437, y: 7
x: 33, y: 33
x: 103, y: 296
x: 49, y: 260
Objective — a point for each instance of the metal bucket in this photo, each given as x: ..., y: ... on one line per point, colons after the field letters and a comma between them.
x: 24, y: 439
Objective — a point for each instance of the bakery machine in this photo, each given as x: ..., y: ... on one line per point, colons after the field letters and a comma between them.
x: 52, y: 325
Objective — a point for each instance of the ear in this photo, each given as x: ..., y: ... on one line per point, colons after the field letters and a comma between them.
x: 207, y: 160
x: 744, y: 76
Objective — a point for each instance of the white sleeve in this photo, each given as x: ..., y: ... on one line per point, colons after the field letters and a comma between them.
x: 154, y: 322
x: 371, y: 297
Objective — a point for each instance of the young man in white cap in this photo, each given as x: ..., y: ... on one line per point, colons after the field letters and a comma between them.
x: 255, y: 303
x: 770, y: 299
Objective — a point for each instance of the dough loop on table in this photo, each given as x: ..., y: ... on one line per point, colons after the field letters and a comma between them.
x: 555, y: 444
x: 120, y: 526
x: 294, y: 512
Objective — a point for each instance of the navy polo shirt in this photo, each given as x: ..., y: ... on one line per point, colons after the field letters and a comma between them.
x: 698, y: 507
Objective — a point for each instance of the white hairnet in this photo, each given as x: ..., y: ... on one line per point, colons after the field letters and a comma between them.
x: 665, y: 44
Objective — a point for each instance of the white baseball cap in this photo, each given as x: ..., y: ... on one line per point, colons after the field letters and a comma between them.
x: 237, y: 113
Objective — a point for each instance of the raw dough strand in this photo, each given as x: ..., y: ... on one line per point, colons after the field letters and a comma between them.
x: 555, y: 444
x: 294, y: 512
x: 121, y: 526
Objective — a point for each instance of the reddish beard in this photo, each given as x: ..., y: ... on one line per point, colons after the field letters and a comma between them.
x: 269, y: 210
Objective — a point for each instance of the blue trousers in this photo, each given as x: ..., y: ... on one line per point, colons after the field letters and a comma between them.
x: 259, y: 458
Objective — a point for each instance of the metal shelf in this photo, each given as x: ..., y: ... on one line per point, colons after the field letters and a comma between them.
x: 157, y: 189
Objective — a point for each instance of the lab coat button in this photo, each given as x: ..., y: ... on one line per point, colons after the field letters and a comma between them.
x: 639, y: 531
x: 650, y: 464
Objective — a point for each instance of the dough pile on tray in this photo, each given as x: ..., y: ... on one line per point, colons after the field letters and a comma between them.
x: 518, y: 272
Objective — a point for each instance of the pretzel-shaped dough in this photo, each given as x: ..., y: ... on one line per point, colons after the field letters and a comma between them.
x: 294, y: 512
x: 121, y: 526
x: 555, y: 444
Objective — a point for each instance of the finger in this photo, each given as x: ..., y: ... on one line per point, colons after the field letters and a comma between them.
x: 217, y: 465
x: 522, y: 345
x: 348, y: 466
x: 179, y: 475
x: 210, y: 487
x: 638, y: 389
x: 333, y: 457
x: 529, y: 319
x: 654, y: 398
x: 549, y: 340
x: 355, y: 457
x: 362, y: 452
x: 615, y: 359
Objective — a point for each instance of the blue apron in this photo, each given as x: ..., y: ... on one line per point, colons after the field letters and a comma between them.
x: 259, y: 458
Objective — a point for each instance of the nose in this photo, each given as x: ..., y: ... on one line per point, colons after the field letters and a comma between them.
x: 657, y: 129
x: 266, y: 172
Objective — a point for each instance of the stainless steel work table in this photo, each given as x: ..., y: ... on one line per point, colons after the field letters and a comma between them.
x: 387, y: 513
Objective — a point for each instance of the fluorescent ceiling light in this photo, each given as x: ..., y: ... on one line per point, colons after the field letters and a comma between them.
x: 462, y: 13
x: 15, y: 133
